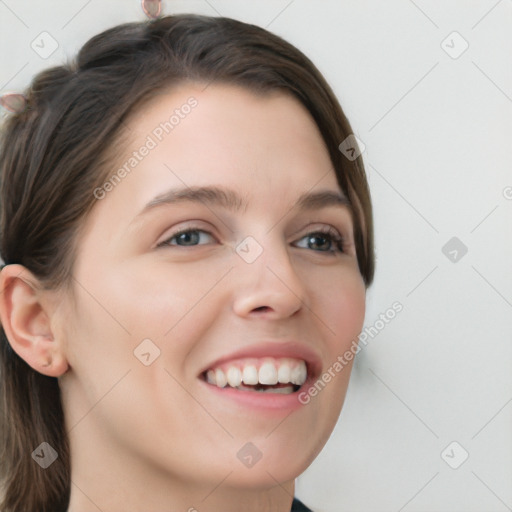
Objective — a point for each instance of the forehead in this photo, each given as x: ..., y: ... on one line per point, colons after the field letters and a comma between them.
x: 265, y: 147
x: 217, y: 129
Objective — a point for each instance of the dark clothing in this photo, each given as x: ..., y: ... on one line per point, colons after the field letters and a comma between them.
x: 297, y: 506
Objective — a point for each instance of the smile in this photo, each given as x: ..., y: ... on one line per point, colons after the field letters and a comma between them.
x: 264, y: 375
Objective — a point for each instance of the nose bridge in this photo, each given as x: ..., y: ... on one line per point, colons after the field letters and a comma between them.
x: 268, y: 278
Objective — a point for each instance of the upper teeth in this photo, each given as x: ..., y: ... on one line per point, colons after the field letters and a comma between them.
x: 268, y: 371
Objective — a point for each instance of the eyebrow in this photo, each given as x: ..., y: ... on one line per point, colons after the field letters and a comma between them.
x: 228, y: 199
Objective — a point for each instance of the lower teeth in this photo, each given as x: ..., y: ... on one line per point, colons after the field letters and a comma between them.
x: 283, y: 390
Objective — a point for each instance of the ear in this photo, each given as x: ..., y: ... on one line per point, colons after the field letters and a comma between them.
x: 25, y: 314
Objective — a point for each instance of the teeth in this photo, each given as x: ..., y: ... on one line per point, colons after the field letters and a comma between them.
x: 234, y: 377
x: 284, y: 374
x: 250, y: 375
x: 210, y: 377
x: 267, y: 374
x: 220, y: 378
x: 298, y: 374
x: 271, y: 372
x: 283, y: 391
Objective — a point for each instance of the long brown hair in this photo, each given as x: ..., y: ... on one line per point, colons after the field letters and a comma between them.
x: 55, y: 153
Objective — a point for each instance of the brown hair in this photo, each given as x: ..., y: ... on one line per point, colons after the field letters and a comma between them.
x: 55, y: 153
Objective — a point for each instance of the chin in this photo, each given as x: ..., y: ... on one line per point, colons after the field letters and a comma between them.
x: 263, y: 464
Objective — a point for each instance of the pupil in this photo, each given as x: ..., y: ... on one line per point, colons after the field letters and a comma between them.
x: 316, y: 241
x: 189, y: 238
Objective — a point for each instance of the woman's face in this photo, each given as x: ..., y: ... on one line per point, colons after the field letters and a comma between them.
x: 214, y: 257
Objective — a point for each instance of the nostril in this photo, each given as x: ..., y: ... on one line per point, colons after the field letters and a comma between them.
x: 262, y: 308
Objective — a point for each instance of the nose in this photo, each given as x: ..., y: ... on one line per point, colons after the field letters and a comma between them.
x: 269, y: 286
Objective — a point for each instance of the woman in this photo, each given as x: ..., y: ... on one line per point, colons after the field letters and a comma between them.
x: 187, y: 253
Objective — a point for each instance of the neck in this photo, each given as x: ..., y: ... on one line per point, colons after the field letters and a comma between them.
x: 116, y: 473
x: 112, y: 497
x: 107, y: 478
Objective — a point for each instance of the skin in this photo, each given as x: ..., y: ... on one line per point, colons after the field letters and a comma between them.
x: 155, y: 438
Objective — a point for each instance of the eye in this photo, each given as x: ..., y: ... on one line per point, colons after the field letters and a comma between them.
x: 322, y: 240
x: 187, y: 238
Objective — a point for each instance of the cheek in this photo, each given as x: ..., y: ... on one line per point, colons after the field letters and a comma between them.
x: 115, y: 312
x: 340, y: 300
x: 158, y: 299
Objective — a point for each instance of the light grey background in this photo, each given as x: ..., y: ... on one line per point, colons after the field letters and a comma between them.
x: 437, y: 130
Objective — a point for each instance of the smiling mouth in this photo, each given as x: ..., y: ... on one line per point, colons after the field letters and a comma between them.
x: 264, y: 375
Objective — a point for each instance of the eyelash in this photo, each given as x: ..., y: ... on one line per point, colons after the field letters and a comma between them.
x: 327, y: 232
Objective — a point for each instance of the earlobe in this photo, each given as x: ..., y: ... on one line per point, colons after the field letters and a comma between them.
x: 27, y: 322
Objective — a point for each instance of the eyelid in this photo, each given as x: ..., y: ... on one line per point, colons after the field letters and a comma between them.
x: 326, y: 229
x: 184, y: 229
x: 332, y: 232
x: 319, y: 227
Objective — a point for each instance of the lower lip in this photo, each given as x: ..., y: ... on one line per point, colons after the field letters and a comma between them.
x: 260, y: 400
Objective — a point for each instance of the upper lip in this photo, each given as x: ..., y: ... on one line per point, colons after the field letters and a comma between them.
x: 291, y: 349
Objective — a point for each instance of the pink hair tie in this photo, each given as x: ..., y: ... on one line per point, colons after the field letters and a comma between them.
x: 13, y: 102
x: 152, y: 8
